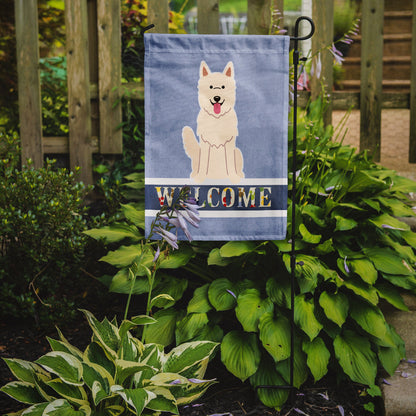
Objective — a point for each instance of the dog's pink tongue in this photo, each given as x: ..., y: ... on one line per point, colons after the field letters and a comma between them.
x: 217, y: 108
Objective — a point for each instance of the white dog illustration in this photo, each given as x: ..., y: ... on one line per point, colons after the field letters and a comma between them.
x: 215, y: 156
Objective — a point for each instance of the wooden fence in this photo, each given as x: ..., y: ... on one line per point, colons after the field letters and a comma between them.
x: 94, y: 73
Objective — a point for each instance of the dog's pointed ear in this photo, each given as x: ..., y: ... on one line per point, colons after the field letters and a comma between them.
x: 229, y: 70
x: 204, y: 69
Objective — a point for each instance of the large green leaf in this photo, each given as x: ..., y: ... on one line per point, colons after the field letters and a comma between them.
x: 306, y: 270
x: 266, y: 375
x: 237, y: 248
x: 220, y: 294
x: 356, y: 358
x: 136, y: 216
x: 365, y: 269
x: 405, y: 282
x: 335, y: 306
x: 163, y: 331
x: 275, y: 336
x: 389, y: 293
x: 279, y: 291
x: 387, y: 261
x: 23, y: 391
x: 316, y: 213
x: 171, y: 286
x: 215, y: 259
x: 344, y: 224
x: 389, y: 222
x: 190, y: 326
x: 177, y: 258
x: 318, y: 357
x: 307, y: 236
x: 64, y: 365
x: 114, y: 233
x: 250, y: 307
x: 362, y: 289
x: 389, y: 358
x: 363, y: 181
x: 122, y: 282
x: 125, y: 255
x: 240, y: 354
x: 300, y: 368
x: 305, y: 316
x: 199, y: 302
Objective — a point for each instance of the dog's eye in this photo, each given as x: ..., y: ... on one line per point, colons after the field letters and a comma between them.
x: 223, y: 87
x: 211, y: 86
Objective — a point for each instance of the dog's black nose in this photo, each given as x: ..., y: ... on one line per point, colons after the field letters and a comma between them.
x: 217, y: 98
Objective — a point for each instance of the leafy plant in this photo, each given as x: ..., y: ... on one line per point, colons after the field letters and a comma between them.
x: 115, y: 374
x: 41, y: 244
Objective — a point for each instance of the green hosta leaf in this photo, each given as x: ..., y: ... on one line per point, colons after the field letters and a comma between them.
x: 372, y: 204
x: 114, y: 410
x: 325, y: 248
x: 362, y: 289
x: 61, y: 407
x: 184, y: 390
x: 211, y: 332
x: 307, y: 236
x: 215, y: 259
x: 365, y: 269
x: 163, y: 402
x: 172, y: 287
x: 370, y: 319
x: 285, y: 247
x: 95, y: 353
x: 279, y: 291
x: 139, y: 320
x: 163, y: 331
x: 161, y: 300
x: 250, y: 307
x: 237, y: 248
x: 122, y: 283
x: 387, y: 261
x: 199, y: 302
x: 115, y: 232
x: 190, y: 326
x: 275, y: 336
x: 306, y: 270
x: 318, y: 357
x: 335, y: 306
x: 266, y: 375
x: 305, y: 316
x: 219, y: 294
x: 409, y: 237
x: 344, y: 224
x: 389, y: 358
x: 240, y: 354
x: 190, y: 359
x: 137, y: 399
x: 136, y: 216
x: 397, y: 207
x: 389, y: 222
x: 389, y: 293
x: 64, y: 365
x: 73, y: 394
x: 316, y: 213
x: 177, y: 258
x: 24, y: 370
x: 125, y: 255
x: 356, y: 357
x: 23, y: 391
x: 363, y: 181
x: 406, y: 282
x: 127, y: 368
x: 106, y: 333
x: 402, y: 184
x: 300, y: 368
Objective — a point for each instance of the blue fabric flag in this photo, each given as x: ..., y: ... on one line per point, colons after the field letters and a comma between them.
x: 216, y: 112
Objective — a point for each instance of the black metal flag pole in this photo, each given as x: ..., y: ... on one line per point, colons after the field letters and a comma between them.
x: 296, y: 60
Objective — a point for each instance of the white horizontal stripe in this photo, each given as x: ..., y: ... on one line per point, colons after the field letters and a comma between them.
x: 232, y: 214
x: 209, y: 182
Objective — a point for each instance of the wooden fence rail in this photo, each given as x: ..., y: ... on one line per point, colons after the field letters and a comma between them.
x: 94, y: 73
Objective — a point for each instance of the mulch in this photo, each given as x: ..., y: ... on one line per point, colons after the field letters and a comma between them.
x: 229, y: 397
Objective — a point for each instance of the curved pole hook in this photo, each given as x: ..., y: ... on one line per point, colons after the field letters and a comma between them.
x: 308, y: 36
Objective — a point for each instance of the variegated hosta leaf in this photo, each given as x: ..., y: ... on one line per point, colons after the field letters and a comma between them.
x: 190, y: 326
x: 128, y: 368
x: 163, y: 331
x: 93, y: 374
x: 24, y: 370
x: 96, y: 354
x: 136, y: 399
x: 105, y: 332
x: 250, y: 307
x: 64, y: 346
x: 183, y: 389
x: 114, y: 410
x: 318, y: 357
x: 35, y: 410
x: 23, y: 391
x: 61, y: 407
x: 240, y: 353
x: 131, y: 348
x: 127, y: 325
x: 152, y: 356
x: 64, y: 365
x: 163, y: 402
x: 190, y: 359
x: 74, y: 394
x: 275, y: 336
x: 266, y: 375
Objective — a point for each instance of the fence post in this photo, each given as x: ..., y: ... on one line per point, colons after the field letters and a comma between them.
x: 158, y: 14
x: 371, y: 76
x: 30, y: 107
x: 79, y: 106
x: 109, y: 75
x: 208, y: 17
x: 323, y: 16
x: 259, y: 16
x: 412, y: 138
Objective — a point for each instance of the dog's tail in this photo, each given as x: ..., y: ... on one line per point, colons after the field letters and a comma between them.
x: 190, y: 143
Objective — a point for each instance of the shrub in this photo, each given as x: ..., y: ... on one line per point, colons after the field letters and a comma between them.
x: 115, y: 374
x: 351, y: 252
x: 41, y: 245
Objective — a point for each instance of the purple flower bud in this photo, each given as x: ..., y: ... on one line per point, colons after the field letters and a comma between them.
x: 386, y: 382
x: 170, y: 238
x: 346, y: 265
x: 177, y: 381
x: 231, y: 293
x: 157, y: 254
x: 391, y: 227
x: 341, y: 410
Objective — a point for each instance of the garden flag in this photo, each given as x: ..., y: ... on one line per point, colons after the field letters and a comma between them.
x: 216, y: 112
